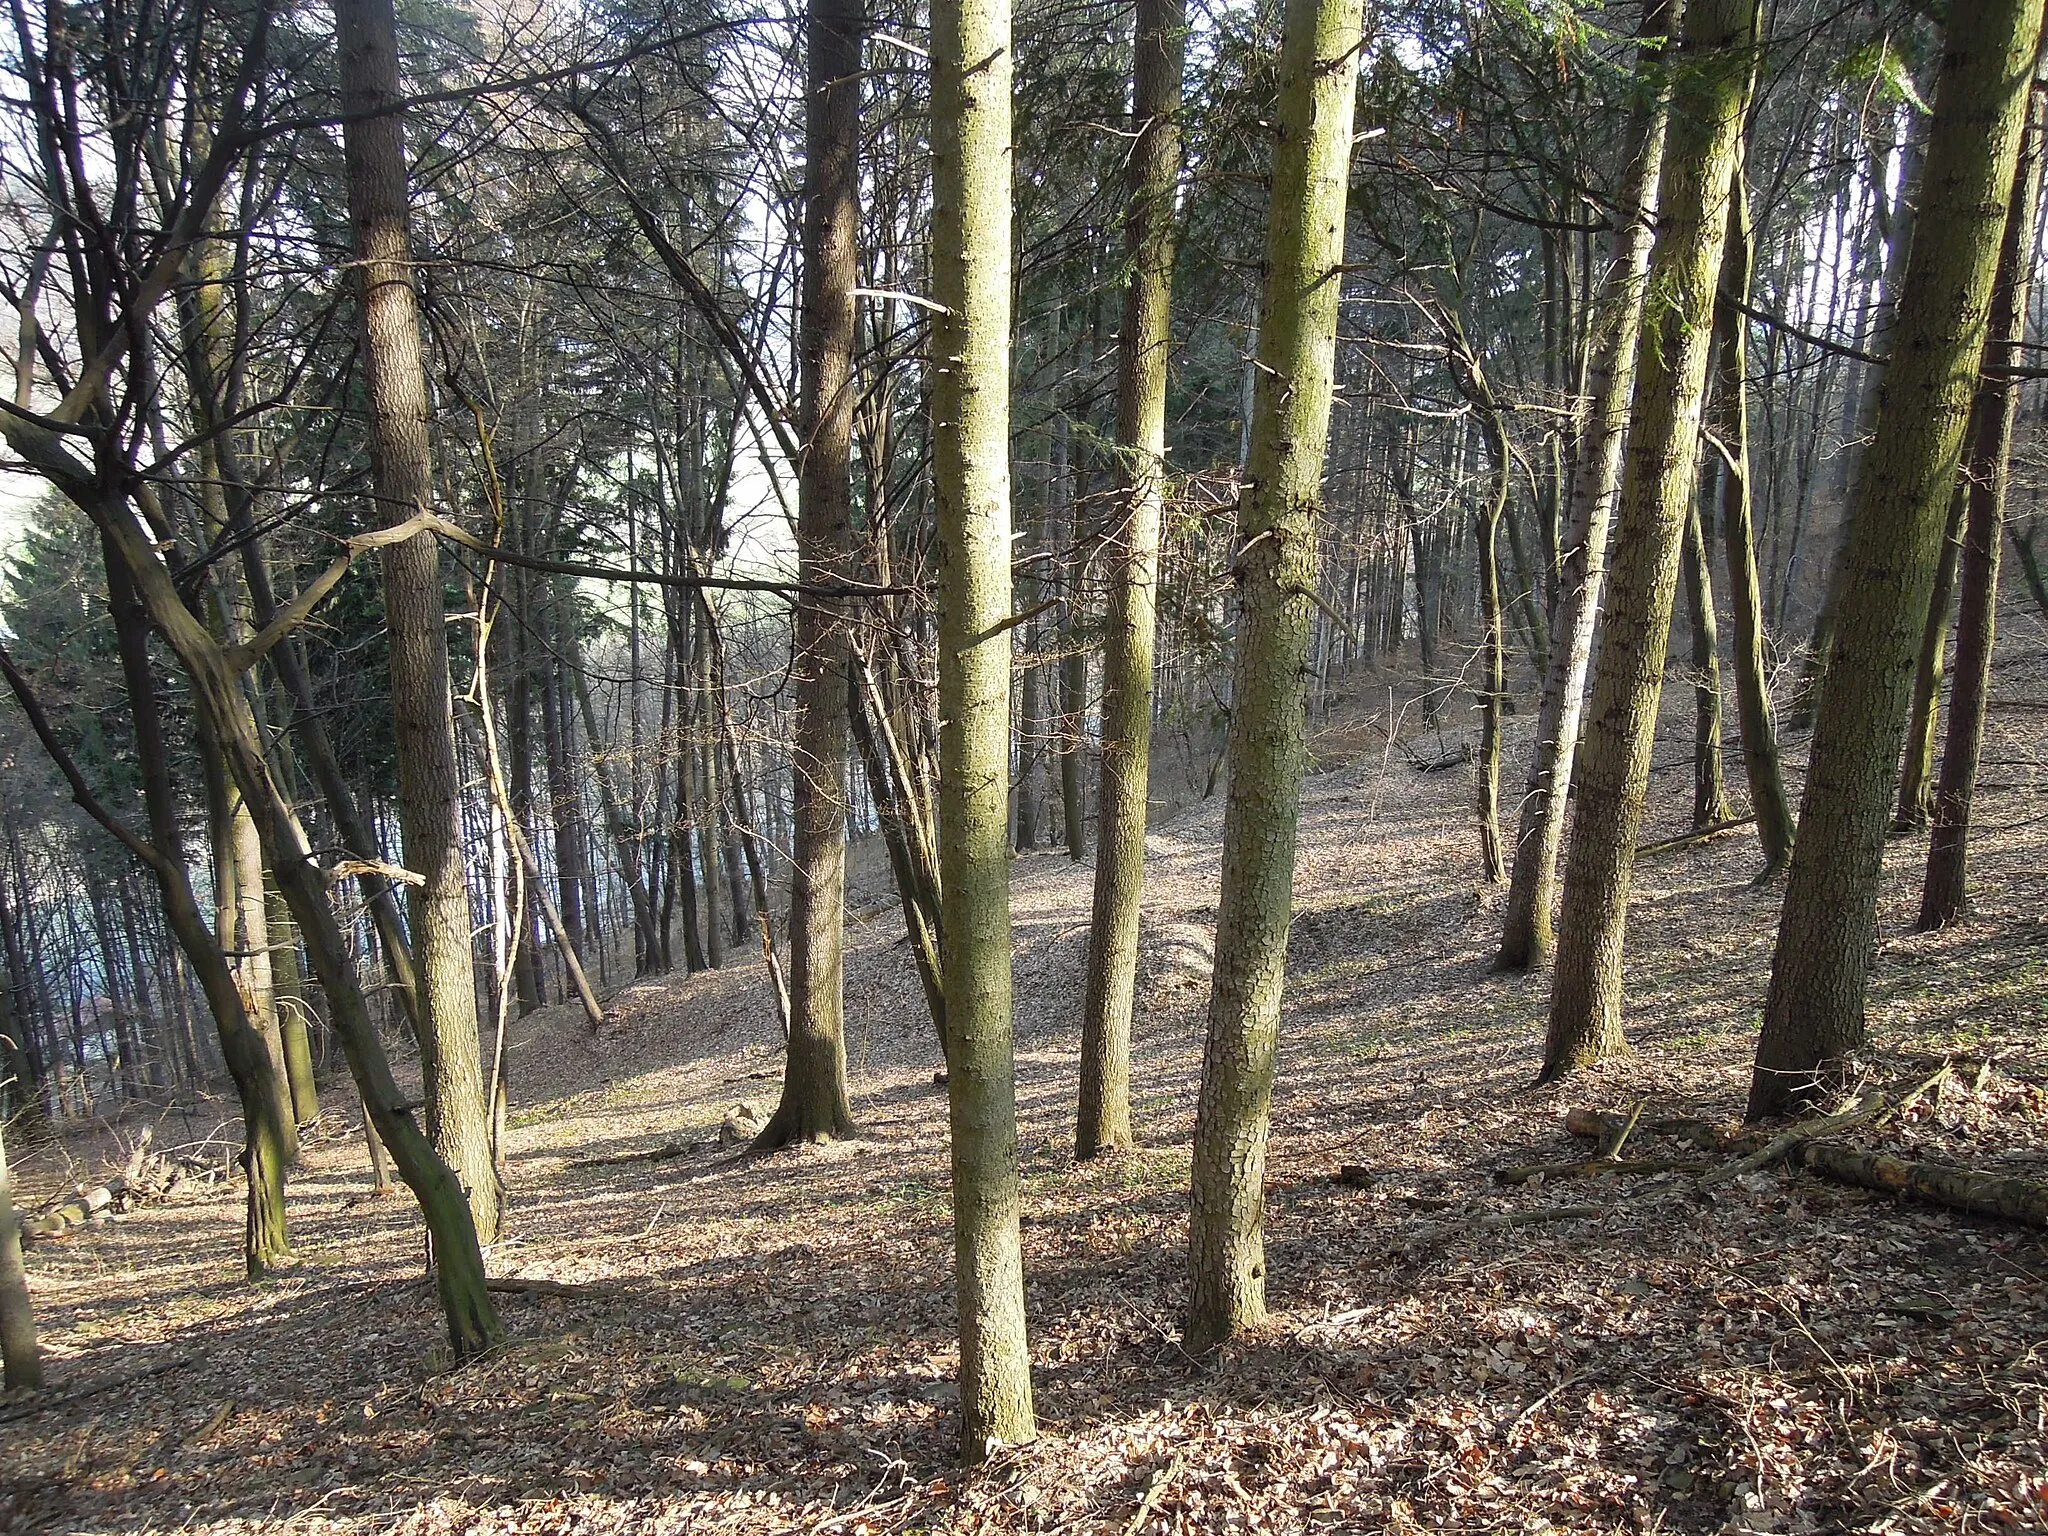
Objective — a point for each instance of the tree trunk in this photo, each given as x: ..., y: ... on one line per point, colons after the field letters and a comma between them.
x: 21, y: 1358
x: 423, y: 727
x: 971, y: 274
x: 815, y: 1104
x: 1987, y: 481
x: 1813, y: 1017
x: 1702, y: 152
x: 1923, y: 714
x: 1709, y: 778
x: 1131, y: 623
x: 1276, y: 573
x: 1527, y: 935
x: 269, y: 1139
x: 293, y: 1011
x: 1728, y: 421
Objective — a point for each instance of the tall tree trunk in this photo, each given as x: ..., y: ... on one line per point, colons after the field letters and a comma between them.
x: 222, y: 709
x: 1728, y: 421
x: 1276, y: 575
x: 815, y: 1104
x: 423, y: 725
x: 1703, y: 149
x: 1709, y: 777
x: 970, y: 350
x: 1989, y: 478
x: 1813, y: 1017
x: 1527, y: 935
x: 1132, y: 621
x: 269, y: 1136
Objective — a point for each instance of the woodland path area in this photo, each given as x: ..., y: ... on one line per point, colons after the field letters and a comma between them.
x: 768, y: 1345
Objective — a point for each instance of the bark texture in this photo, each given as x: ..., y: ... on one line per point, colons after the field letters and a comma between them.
x: 1702, y: 151
x: 1528, y: 937
x: 1276, y: 578
x: 1729, y: 423
x: 1132, y: 621
x: 814, y: 1105
x: 1813, y: 1017
x: 429, y: 781
x: 970, y: 348
x: 1986, y: 483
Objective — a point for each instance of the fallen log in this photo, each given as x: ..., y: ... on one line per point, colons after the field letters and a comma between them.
x: 666, y: 1152
x: 1599, y: 1124
x: 1960, y: 1189
x: 1875, y: 1108
x: 1593, y: 1167
x: 1697, y: 835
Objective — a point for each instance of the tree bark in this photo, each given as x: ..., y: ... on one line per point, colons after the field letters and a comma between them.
x: 1709, y: 777
x: 1528, y: 937
x: 1728, y: 421
x: 1103, y: 1122
x: 1813, y: 1017
x: 1923, y: 715
x: 1702, y: 152
x: 429, y: 782
x: 21, y: 1358
x: 970, y: 351
x: 1987, y: 482
x: 1275, y: 571
x: 815, y: 1105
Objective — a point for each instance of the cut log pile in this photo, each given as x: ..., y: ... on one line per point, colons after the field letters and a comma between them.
x: 148, y: 1176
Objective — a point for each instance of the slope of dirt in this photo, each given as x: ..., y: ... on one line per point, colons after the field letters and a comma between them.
x: 767, y: 1346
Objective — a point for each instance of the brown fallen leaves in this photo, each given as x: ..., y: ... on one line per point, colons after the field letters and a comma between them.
x: 771, y: 1347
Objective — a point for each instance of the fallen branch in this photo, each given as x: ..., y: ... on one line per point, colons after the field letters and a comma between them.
x: 1598, y: 1124
x: 1875, y: 1108
x: 513, y: 1285
x: 1960, y: 1189
x: 1697, y: 835
x: 44, y: 1403
x: 1593, y: 1167
x: 661, y: 1154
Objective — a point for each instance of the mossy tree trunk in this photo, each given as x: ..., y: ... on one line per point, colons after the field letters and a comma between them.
x: 1702, y: 151
x: 1275, y: 571
x: 1527, y: 933
x: 1813, y: 1016
x: 1131, y: 622
x: 1987, y: 481
x: 970, y: 352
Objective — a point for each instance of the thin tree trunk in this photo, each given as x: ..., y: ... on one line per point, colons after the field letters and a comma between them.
x: 1709, y: 777
x: 429, y: 782
x: 1989, y: 480
x: 1131, y: 623
x: 970, y: 348
x: 1276, y: 573
x: 1527, y: 934
x: 1702, y: 152
x: 1729, y: 424
x: 1923, y: 715
x: 1813, y: 1017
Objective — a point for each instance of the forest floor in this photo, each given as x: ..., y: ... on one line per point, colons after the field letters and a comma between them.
x: 767, y: 1345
